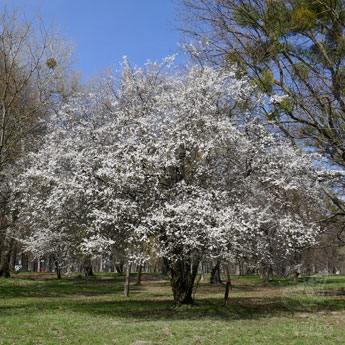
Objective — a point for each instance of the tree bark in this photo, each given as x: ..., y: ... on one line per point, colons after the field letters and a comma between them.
x: 127, y: 280
x: 182, y: 277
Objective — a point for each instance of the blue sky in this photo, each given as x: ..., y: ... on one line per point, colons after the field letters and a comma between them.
x: 103, y: 31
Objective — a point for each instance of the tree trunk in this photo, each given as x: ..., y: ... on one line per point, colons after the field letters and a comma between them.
x: 295, y: 277
x: 228, y: 285
x: 5, y: 259
x: 5, y: 264
x: 127, y: 280
x: 101, y: 264
x: 139, y: 275
x: 25, y: 262
x: 242, y: 268
x: 165, y: 267
x: 266, y: 274
x: 119, y: 266
x: 31, y: 265
x: 215, y: 274
x: 51, y: 264
x: 202, y: 274
x: 182, y: 277
x: 88, y: 268
x: 57, y: 269
x: 13, y: 258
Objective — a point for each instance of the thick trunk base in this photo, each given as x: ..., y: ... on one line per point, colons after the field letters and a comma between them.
x: 182, y: 277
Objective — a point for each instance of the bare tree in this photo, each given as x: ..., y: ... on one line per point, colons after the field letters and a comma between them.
x: 33, y: 69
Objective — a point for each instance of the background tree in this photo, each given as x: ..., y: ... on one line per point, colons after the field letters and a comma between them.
x: 33, y: 64
x: 294, y: 51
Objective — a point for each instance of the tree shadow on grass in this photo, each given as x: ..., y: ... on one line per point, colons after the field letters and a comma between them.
x: 35, y: 286
x: 239, y: 308
x: 61, y: 288
x: 152, y: 300
x: 139, y: 309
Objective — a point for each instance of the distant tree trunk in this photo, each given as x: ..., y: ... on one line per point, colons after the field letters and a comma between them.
x: 295, y: 276
x: 101, y: 268
x: 165, y: 267
x: 202, y: 274
x: 266, y: 273
x: 127, y: 280
x: 57, y: 269
x: 13, y: 258
x: 31, y: 264
x: 242, y: 268
x: 228, y: 285
x: 119, y: 266
x: 51, y: 263
x: 87, y: 265
x: 5, y: 264
x: 139, y: 275
x: 215, y: 274
x: 25, y: 262
x: 5, y: 259
x: 182, y: 277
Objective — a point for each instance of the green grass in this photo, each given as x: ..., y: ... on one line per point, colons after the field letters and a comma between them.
x: 38, y: 309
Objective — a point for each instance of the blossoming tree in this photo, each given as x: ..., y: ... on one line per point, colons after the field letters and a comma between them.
x: 166, y: 161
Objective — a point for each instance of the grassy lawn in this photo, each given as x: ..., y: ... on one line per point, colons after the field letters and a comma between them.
x: 38, y: 309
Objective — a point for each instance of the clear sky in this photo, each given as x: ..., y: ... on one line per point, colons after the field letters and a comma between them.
x: 103, y: 31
